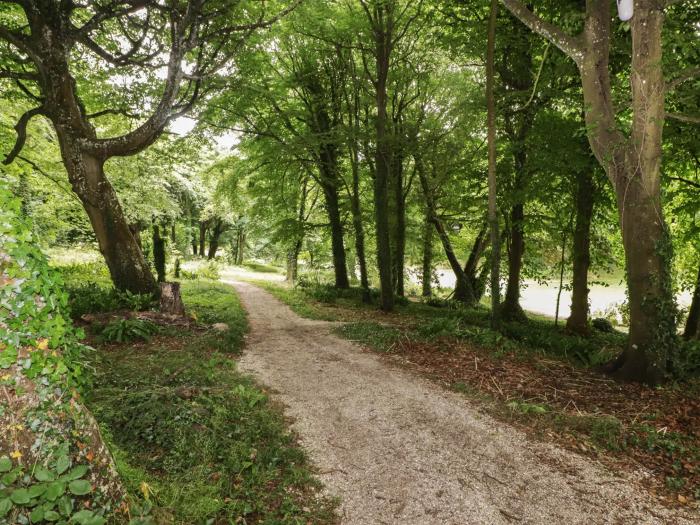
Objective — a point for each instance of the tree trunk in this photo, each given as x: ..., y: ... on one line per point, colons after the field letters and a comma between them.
x: 511, y: 309
x: 171, y: 300
x: 398, y: 255
x: 340, y: 267
x: 585, y: 191
x: 471, y: 267
x: 203, y: 226
x: 293, y: 263
x: 692, y: 325
x: 356, y: 209
x: 383, y: 43
x: 122, y: 253
x: 240, y: 246
x: 463, y: 291
x: 159, y: 253
x: 214, y: 238
x: 492, y: 179
x: 427, y: 271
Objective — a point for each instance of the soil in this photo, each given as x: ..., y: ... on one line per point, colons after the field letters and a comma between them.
x: 399, y: 449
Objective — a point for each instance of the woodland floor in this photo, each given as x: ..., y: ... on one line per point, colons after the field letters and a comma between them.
x: 397, y: 447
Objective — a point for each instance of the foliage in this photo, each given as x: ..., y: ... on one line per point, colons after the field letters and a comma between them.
x: 126, y: 330
x: 41, y: 371
x: 199, y: 442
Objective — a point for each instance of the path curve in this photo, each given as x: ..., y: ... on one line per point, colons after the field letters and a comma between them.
x: 398, y: 449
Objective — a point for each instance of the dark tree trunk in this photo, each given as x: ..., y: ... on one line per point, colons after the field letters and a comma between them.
x: 463, y: 290
x: 398, y: 255
x: 214, y: 238
x: 427, y: 270
x: 383, y: 36
x: 692, y: 325
x: 240, y: 246
x: 358, y: 226
x: 511, y: 309
x: 203, y: 227
x: 159, y: 253
x: 585, y: 198
x: 120, y: 249
x: 471, y: 267
x: 340, y: 267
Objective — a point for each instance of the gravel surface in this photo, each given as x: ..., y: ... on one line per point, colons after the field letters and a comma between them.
x: 398, y: 449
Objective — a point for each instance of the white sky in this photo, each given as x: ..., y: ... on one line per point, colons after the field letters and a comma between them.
x: 224, y: 142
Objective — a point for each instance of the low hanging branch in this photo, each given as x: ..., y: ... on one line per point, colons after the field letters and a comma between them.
x: 21, y: 129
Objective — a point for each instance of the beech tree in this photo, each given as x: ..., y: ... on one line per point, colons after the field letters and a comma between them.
x: 632, y: 162
x: 174, y: 46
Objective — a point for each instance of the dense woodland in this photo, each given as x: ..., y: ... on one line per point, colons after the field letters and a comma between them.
x: 369, y: 146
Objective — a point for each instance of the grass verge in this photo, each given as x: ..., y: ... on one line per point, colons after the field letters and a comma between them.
x: 197, y: 441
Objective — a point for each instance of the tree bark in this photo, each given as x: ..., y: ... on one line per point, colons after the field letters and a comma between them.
x: 120, y: 249
x: 159, y: 253
x: 492, y: 176
x: 358, y: 226
x: 585, y: 198
x: 203, y: 227
x: 633, y: 166
x: 511, y: 309
x: 463, y: 291
x: 692, y: 325
x: 171, y: 300
x: 214, y: 238
x: 427, y: 269
x: 340, y: 267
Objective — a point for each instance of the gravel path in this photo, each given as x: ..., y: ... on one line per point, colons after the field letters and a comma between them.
x: 398, y: 449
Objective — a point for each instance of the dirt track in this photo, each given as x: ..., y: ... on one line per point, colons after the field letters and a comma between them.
x: 398, y: 449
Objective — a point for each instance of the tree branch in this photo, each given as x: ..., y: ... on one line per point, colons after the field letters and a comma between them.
x: 692, y: 119
x: 687, y: 74
x: 21, y: 129
x: 570, y: 45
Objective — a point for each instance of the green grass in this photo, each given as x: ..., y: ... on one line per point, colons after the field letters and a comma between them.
x: 196, y: 438
x: 262, y: 268
x: 377, y: 336
x: 297, y: 300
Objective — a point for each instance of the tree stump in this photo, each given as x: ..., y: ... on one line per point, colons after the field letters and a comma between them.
x: 171, y: 300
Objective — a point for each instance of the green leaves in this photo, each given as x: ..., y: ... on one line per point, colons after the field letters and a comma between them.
x: 5, y: 464
x: 79, y: 487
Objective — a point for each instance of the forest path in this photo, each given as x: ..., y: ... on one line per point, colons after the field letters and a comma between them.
x: 398, y: 449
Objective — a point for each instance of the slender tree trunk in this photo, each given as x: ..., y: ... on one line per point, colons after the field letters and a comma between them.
x: 692, y: 325
x: 511, y: 309
x: 471, y: 267
x: 492, y: 179
x: 585, y: 190
x: 562, y: 267
x: 399, y: 253
x: 463, y: 291
x: 427, y: 271
x: 122, y: 253
x: 159, y: 253
x: 383, y: 42
x: 355, y: 206
x: 203, y: 227
x: 240, y: 246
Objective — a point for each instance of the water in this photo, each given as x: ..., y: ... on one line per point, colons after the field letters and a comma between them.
x: 542, y: 298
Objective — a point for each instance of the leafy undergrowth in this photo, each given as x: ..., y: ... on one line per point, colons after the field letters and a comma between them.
x: 541, y: 379
x: 196, y: 440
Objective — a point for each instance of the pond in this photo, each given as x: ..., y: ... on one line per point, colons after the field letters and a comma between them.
x: 541, y: 298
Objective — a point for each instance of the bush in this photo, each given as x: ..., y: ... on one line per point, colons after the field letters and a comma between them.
x: 125, y: 330
x: 41, y: 361
x: 93, y: 298
x: 210, y: 270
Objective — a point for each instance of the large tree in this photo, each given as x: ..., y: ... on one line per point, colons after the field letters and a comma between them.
x: 632, y: 162
x: 175, y: 46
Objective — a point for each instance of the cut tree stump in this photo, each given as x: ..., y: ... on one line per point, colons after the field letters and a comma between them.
x: 171, y: 300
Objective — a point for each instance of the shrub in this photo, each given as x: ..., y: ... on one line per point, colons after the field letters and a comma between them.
x: 41, y: 370
x: 93, y: 298
x: 125, y: 330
